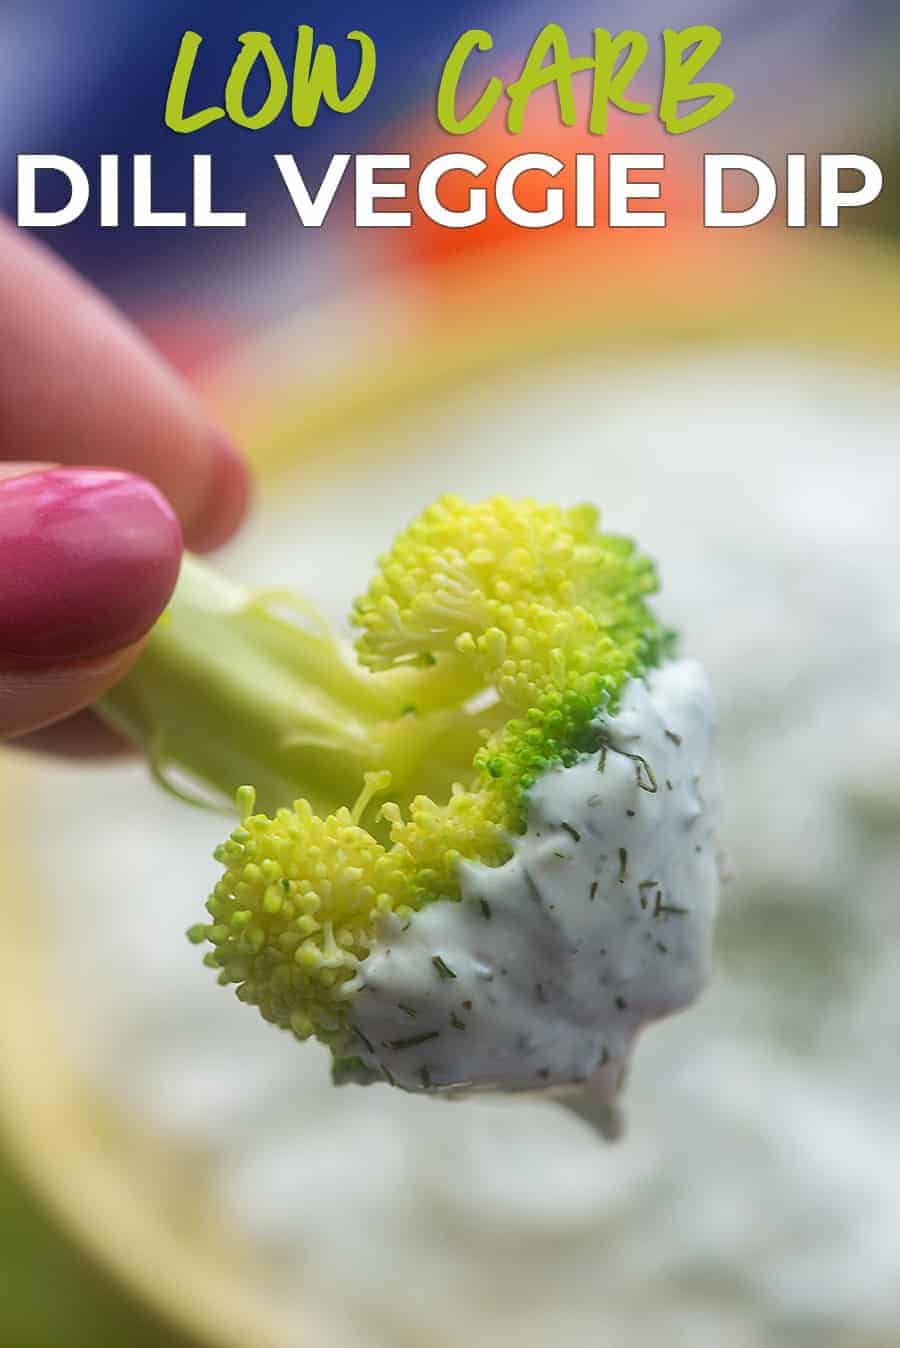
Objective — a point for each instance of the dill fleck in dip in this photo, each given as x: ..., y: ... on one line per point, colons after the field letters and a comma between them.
x: 600, y: 922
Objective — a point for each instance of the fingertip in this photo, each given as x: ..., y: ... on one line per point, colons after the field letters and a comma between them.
x: 79, y: 385
x: 227, y: 499
x: 31, y: 699
x: 88, y: 560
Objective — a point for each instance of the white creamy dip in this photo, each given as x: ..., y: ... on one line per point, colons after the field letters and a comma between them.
x: 601, y: 921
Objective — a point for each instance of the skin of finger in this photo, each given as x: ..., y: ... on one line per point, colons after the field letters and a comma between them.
x: 36, y: 698
x: 79, y: 386
x: 83, y: 736
x: 19, y: 469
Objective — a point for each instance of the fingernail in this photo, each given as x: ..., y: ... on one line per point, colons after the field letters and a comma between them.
x: 227, y: 498
x: 88, y: 560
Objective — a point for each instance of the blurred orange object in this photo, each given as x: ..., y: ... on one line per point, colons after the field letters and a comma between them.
x: 500, y: 258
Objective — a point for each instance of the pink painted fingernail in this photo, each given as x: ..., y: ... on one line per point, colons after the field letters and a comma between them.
x: 88, y: 560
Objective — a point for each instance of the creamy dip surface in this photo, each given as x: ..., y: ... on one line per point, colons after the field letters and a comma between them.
x: 752, y: 1201
x: 545, y: 971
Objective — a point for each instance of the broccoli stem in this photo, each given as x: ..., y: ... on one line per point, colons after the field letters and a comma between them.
x: 236, y: 687
x: 232, y: 688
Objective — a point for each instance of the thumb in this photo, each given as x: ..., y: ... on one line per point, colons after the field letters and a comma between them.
x: 88, y: 560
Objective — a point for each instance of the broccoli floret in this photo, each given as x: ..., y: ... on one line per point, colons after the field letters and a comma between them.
x: 492, y: 638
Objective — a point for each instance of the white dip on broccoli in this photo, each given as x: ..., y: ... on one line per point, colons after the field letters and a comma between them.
x: 600, y: 922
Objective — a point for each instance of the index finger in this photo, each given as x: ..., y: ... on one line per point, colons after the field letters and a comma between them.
x: 79, y: 386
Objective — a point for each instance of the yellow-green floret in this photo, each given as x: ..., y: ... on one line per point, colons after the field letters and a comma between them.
x: 507, y: 628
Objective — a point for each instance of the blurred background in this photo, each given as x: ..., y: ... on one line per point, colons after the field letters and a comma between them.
x: 175, y: 1172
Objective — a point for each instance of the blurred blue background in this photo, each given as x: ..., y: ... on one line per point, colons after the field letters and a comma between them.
x: 90, y: 79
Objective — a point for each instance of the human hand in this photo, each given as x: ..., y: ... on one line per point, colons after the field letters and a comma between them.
x: 106, y: 463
